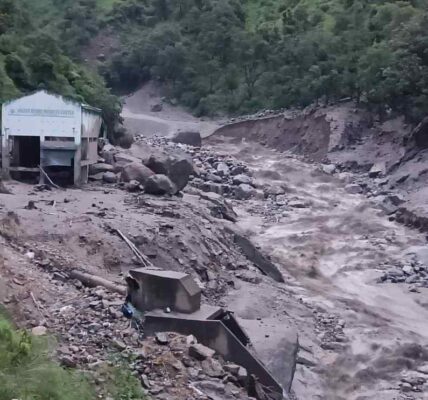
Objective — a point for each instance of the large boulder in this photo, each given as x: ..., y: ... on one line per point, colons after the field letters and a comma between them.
x: 136, y: 172
x: 159, y: 184
x: 178, y: 168
x: 100, y: 167
x: 191, y: 138
x: 159, y: 163
x: 244, y: 191
x: 107, y: 152
x: 223, y: 169
x: 378, y: 169
x: 125, y: 158
x: 109, y: 177
x: 156, y: 107
x: 200, y: 352
x: 242, y: 179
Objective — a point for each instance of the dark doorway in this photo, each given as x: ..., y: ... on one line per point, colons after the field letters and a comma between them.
x: 26, y: 151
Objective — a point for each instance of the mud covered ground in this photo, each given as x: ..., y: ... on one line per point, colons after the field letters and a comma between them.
x: 359, y: 338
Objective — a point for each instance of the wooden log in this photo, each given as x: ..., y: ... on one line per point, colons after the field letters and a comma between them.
x: 47, y: 177
x: 94, y: 280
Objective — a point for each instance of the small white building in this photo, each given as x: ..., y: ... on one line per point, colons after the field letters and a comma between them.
x: 47, y: 130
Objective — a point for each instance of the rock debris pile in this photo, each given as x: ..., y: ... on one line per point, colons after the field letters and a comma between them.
x: 170, y: 366
x: 169, y: 165
x: 413, y: 273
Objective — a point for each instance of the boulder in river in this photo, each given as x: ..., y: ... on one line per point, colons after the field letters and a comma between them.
x: 191, y: 138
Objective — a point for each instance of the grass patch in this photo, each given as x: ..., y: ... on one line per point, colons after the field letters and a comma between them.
x: 27, y: 371
x: 120, y: 383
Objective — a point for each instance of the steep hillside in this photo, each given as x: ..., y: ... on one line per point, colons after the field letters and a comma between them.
x: 38, y: 46
x: 238, y: 56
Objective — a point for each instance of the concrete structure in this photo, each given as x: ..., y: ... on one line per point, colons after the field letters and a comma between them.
x: 156, y: 289
x: 153, y: 291
x: 48, y: 130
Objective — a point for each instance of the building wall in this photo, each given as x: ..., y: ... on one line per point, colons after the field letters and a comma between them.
x: 42, y: 114
x: 91, y: 127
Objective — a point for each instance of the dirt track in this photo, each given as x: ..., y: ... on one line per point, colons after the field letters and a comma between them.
x: 140, y: 119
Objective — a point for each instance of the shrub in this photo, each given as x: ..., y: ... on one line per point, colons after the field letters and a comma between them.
x: 28, y: 372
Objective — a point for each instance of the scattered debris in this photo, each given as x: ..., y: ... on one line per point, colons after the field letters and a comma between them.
x: 141, y: 257
x: 48, y: 178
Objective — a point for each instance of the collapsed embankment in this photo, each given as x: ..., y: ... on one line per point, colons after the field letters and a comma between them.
x: 388, y: 154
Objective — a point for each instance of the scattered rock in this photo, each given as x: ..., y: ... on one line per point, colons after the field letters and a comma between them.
x: 176, y: 167
x: 306, y: 360
x: 107, y: 153
x: 159, y: 185
x: 408, y: 269
x: 96, y: 177
x: 136, y: 172
x: 162, y: 338
x: 100, y: 167
x: 200, y: 352
x: 110, y: 177
x: 133, y: 186
x: 223, y: 169
x: 242, y: 376
x: 179, y: 172
x: 353, y: 189
x: 232, y: 368
x: 377, y: 170
x: 249, y: 276
x: 31, y: 205
x: 217, y: 387
x: 219, y: 207
x: 156, y: 107
x: 241, y: 178
x: 68, y: 361
x: 39, y: 331
x: 244, y: 191
x: 119, y: 344
x: 145, y: 381
x: 329, y: 169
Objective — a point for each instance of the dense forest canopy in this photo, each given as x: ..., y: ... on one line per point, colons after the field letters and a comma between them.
x: 239, y: 56
x: 37, y: 43
x: 224, y: 56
